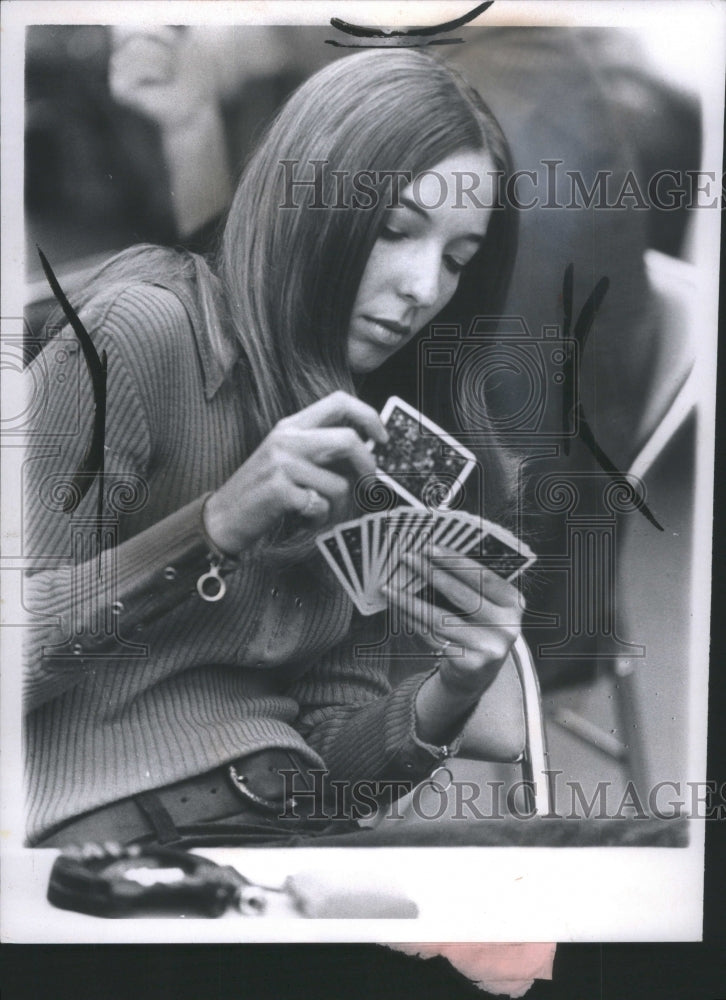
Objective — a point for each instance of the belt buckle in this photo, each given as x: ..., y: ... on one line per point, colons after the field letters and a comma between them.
x: 239, y: 783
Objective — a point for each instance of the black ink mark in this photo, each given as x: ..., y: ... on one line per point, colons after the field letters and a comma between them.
x: 575, y: 412
x: 393, y: 43
x: 588, y: 439
x: 403, y: 37
x: 92, y: 463
x: 432, y: 29
x: 580, y: 333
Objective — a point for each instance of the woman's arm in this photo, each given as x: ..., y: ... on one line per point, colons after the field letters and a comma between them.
x: 78, y: 604
x: 133, y: 584
x: 154, y: 565
x: 364, y: 729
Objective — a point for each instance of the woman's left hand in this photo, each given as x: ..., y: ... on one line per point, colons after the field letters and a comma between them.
x: 471, y: 645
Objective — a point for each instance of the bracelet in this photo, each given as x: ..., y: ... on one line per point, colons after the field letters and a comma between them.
x: 211, y: 585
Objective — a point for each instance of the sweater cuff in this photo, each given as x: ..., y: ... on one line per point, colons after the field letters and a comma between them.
x: 412, y: 758
x: 148, y: 576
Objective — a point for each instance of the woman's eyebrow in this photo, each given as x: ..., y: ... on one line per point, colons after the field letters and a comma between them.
x: 414, y: 206
x: 408, y: 202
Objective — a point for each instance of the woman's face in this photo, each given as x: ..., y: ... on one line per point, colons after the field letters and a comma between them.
x: 415, y: 263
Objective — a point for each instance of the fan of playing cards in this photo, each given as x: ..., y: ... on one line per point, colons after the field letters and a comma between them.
x: 390, y: 548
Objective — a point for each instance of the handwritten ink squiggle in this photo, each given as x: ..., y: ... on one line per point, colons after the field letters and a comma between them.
x: 575, y: 412
x: 92, y: 463
x: 414, y: 36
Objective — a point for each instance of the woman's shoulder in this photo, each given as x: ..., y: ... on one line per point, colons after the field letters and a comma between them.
x: 153, y: 309
x: 147, y: 288
x: 142, y: 308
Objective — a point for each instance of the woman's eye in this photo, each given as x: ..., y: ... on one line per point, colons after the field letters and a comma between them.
x: 454, y: 265
x: 390, y: 234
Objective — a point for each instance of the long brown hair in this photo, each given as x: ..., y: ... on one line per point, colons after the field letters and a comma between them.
x: 291, y: 267
x: 292, y: 273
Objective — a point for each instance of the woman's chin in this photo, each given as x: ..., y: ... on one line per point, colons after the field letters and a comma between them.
x: 365, y: 359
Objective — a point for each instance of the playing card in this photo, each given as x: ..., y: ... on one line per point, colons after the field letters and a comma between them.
x: 371, y: 528
x: 490, y: 545
x: 350, y: 542
x: 498, y: 550
x: 403, y: 526
x: 420, y: 461
x: 378, y: 531
x: 455, y: 530
x: 394, y: 548
x: 379, y: 527
x: 369, y: 543
x: 330, y: 548
x: 411, y: 532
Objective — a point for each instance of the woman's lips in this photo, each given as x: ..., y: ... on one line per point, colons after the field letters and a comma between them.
x: 385, y: 331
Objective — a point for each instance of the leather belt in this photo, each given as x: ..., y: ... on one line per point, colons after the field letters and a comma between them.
x: 249, y: 791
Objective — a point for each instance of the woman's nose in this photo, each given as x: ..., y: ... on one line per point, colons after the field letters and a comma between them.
x: 420, y: 277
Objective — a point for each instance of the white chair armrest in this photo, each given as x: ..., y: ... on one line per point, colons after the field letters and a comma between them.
x: 495, y: 731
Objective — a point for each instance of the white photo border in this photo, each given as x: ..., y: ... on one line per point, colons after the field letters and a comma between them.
x: 464, y: 894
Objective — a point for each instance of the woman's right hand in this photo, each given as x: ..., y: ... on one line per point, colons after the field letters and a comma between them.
x: 305, y: 465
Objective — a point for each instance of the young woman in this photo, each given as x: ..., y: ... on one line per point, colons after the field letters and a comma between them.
x: 235, y: 428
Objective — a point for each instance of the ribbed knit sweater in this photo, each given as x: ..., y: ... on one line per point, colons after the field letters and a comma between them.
x: 133, y: 681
